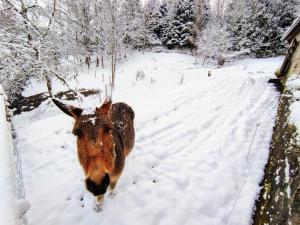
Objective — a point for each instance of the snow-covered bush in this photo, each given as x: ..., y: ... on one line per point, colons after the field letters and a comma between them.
x: 140, y: 75
x: 214, y: 42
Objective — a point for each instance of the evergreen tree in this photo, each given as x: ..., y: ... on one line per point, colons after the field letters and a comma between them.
x: 258, y: 25
x: 237, y: 16
x: 134, y: 24
x: 182, y: 31
x: 272, y: 22
x: 152, y: 15
x: 163, y: 21
x: 165, y: 16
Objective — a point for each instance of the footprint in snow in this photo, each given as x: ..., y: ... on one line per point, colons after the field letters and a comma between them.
x: 81, y: 200
x: 68, y: 197
x: 155, y: 180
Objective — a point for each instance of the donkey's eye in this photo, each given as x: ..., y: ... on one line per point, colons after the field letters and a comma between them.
x: 78, y: 133
x: 106, y: 129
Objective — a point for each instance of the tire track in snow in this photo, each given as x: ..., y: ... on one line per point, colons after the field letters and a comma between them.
x: 164, y: 135
x: 183, y: 98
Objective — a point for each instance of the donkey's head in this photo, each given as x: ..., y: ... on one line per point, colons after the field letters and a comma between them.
x: 95, y: 144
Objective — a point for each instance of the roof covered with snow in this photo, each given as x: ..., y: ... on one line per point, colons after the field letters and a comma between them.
x: 292, y: 31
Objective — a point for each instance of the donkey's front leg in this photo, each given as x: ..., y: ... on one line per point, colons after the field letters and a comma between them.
x: 112, y: 186
x: 98, y: 203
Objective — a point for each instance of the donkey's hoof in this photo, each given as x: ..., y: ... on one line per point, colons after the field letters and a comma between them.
x: 112, y: 194
x: 98, y: 207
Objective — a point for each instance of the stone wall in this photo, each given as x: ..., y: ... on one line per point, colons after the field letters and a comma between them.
x: 279, y: 200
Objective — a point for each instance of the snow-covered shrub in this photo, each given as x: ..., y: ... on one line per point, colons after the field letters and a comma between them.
x: 152, y: 80
x: 140, y: 75
x: 214, y: 42
x: 182, y: 78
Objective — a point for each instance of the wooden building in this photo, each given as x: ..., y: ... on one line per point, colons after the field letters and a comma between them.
x: 291, y: 62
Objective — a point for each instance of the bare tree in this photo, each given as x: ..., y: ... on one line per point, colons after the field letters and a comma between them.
x: 27, y: 47
x: 113, y: 33
x: 220, y: 7
x: 202, y: 13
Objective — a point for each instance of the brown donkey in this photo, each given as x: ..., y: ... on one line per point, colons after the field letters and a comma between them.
x: 104, y: 139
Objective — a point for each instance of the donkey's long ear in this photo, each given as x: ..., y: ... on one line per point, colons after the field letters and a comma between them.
x: 105, y: 109
x: 68, y: 109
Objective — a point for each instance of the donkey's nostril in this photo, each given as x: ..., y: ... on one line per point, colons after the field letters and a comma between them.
x: 106, y: 181
x: 98, y: 189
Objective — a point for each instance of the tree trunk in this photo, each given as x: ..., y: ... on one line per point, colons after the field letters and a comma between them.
x: 113, y: 70
x: 102, y: 61
x: 204, y: 60
x: 88, y: 61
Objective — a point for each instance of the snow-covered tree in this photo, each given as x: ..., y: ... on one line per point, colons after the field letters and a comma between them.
x: 152, y: 17
x: 136, y: 35
x: 113, y: 32
x: 258, y: 25
x: 219, y: 8
x: 27, y: 47
x: 164, y: 19
x: 182, y: 30
x: 202, y: 13
x: 76, y: 20
x: 237, y: 16
x: 98, y: 35
x: 214, y: 42
x: 272, y: 22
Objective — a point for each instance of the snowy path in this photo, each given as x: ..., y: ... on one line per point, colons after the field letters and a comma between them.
x: 189, y: 163
x: 199, y: 153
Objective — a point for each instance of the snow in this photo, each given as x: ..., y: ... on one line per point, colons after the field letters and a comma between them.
x: 7, y: 211
x: 293, y: 85
x: 189, y: 164
x: 287, y: 177
x: 294, y: 117
x: 291, y: 28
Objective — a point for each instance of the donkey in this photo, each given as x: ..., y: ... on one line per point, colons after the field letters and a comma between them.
x: 104, y: 139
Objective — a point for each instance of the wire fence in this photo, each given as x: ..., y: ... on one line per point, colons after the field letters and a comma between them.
x: 17, y: 164
x: 15, y: 157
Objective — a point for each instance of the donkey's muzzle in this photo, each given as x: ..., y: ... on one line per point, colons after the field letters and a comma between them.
x: 98, y: 189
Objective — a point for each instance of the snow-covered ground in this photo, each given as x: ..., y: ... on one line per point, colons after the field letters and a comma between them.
x: 7, y: 212
x: 12, y: 209
x: 293, y: 85
x: 192, y: 162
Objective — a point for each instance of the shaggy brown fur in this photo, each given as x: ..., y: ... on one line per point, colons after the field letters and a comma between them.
x: 104, y: 139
